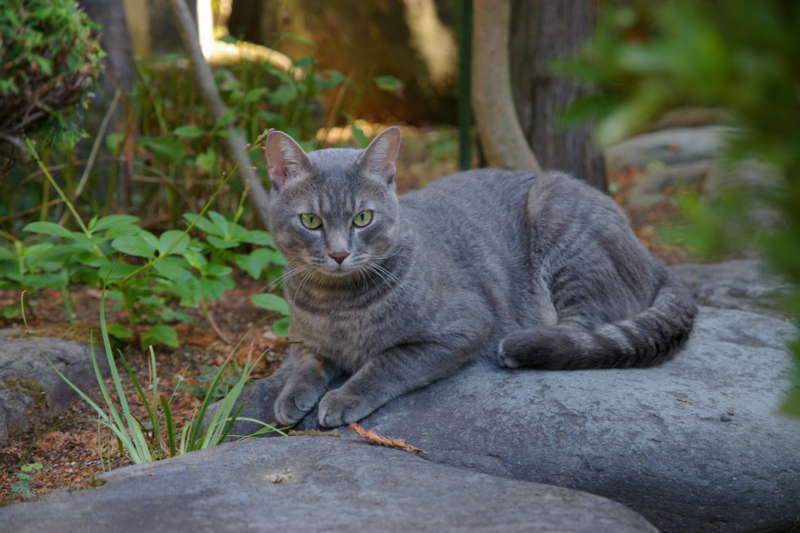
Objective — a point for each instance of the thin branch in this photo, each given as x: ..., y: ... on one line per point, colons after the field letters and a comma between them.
x: 233, y: 146
x: 93, y: 154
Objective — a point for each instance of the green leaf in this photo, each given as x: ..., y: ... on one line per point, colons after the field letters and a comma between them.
x: 389, y: 83
x: 134, y: 245
x: 160, y: 334
x: 221, y: 222
x: 59, y: 252
x: 283, y: 95
x: 273, y: 302
x: 224, y: 120
x: 251, y: 263
x: 212, y: 288
x: 6, y: 254
x: 168, y: 238
x: 116, y: 270
x: 262, y: 238
x: 189, y: 132
x: 168, y: 270
x: 221, y: 244
x: 196, y: 261
x: 166, y: 147
x: 49, y: 228
x: 253, y: 95
x: 281, y: 327
x: 12, y: 311
x: 114, y: 142
x: 219, y: 270
x: 119, y: 331
x: 91, y: 259
x: 299, y: 38
x: 792, y: 404
x: 204, y: 224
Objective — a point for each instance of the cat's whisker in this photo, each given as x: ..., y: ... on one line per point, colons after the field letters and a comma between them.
x: 282, y: 278
x: 385, y: 271
x: 303, y: 282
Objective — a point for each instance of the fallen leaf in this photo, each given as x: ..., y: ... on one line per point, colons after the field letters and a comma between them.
x: 389, y: 442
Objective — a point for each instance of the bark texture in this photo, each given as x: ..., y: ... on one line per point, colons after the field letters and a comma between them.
x: 502, y: 140
x: 543, y: 31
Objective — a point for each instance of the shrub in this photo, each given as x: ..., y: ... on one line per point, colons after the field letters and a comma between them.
x: 49, y: 60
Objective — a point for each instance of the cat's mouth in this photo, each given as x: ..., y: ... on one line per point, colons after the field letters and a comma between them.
x: 343, y: 270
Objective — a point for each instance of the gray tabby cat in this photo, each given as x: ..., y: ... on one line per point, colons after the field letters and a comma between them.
x: 525, y: 270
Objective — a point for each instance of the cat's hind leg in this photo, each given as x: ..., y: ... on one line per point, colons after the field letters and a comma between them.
x: 615, y: 304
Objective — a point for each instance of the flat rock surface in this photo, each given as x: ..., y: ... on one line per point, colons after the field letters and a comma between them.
x: 694, y: 444
x: 28, y: 384
x: 315, y: 484
x: 738, y: 284
x: 671, y: 146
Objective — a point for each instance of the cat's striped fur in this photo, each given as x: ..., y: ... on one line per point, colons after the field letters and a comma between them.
x: 508, y: 267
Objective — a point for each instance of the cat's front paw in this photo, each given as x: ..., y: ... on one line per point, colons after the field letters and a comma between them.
x: 295, y: 401
x: 338, y: 408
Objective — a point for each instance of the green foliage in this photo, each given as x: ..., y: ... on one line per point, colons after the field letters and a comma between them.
x: 158, y: 436
x: 209, y: 381
x: 23, y: 486
x: 190, y: 270
x: 649, y: 57
x: 49, y: 58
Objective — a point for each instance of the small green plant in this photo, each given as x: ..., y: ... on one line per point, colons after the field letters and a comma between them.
x: 23, y: 486
x: 158, y: 437
x: 202, y: 381
x: 192, y: 270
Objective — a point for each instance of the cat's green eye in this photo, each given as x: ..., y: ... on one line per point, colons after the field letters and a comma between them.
x: 311, y: 220
x: 363, y: 218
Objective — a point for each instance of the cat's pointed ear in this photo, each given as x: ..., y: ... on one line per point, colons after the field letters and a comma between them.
x: 380, y: 157
x: 285, y: 158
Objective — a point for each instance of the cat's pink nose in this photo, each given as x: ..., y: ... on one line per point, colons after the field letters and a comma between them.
x: 339, y: 256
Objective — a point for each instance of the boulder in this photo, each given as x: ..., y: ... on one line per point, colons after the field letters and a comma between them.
x: 652, y: 188
x: 737, y: 284
x: 314, y: 484
x: 669, y: 146
x: 29, y: 386
x: 694, y: 444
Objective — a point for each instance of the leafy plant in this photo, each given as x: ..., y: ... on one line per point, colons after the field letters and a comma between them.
x: 195, y: 270
x: 49, y: 60
x: 208, y: 380
x: 649, y: 57
x: 158, y: 437
x: 23, y: 486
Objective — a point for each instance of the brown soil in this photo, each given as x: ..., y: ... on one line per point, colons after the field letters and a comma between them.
x: 70, y: 454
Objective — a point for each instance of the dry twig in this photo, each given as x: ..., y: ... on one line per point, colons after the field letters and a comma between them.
x: 389, y: 442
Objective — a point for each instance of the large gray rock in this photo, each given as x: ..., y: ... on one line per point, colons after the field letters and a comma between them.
x: 651, y: 188
x: 669, y: 146
x: 739, y: 284
x: 30, y: 387
x: 694, y: 444
x: 315, y: 484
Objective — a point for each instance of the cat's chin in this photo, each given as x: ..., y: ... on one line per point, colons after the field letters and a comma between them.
x: 339, y: 273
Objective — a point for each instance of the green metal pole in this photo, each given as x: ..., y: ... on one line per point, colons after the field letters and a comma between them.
x: 465, y: 87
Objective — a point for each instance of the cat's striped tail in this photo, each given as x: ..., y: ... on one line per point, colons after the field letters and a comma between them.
x: 648, y: 338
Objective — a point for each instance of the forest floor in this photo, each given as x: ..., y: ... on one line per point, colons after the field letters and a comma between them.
x: 67, y: 444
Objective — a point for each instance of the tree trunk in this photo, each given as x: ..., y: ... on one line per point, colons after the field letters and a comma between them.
x: 501, y: 137
x: 543, y: 31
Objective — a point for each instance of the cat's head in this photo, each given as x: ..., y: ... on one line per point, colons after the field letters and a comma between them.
x: 335, y: 209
